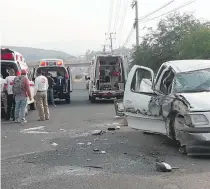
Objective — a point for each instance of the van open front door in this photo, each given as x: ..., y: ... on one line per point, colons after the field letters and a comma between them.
x: 141, y: 107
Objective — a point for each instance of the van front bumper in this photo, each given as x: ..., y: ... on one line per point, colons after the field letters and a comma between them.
x: 197, y: 141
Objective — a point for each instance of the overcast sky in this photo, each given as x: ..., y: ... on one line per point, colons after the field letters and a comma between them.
x: 77, y: 25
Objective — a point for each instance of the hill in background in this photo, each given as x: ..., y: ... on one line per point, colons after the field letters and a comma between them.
x: 35, y: 54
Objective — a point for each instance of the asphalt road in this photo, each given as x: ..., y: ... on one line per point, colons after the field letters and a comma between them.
x: 56, y: 153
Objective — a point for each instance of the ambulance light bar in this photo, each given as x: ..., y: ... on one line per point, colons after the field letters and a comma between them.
x: 51, y: 63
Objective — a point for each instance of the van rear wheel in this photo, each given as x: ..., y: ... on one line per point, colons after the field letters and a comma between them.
x: 68, y: 100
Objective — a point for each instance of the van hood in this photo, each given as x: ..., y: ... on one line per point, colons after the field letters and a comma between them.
x: 198, y: 101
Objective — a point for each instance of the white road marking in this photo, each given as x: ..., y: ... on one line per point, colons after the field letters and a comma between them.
x: 36, y: 132
x: 19, y: 155
x: 34, y: 128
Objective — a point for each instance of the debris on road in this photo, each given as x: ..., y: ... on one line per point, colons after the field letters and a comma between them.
x: 80, y: 143
x: 164, y: 167
x: 96, y: 150
x: 97, y: 132
x: 111, y: 129
x: 93, y: 166
x: 117, y: 127
x: 54, y: 144
x: 95, y: 139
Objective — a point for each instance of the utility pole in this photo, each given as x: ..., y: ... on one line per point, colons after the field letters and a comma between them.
x: 111, y: 42
x: 136, y: 23
x: 104, y: 49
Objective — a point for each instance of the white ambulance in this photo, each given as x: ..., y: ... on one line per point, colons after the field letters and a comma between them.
x: 61, y: 75
x: 11, y: 59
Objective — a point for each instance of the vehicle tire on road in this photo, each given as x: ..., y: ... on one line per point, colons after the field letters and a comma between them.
x: 92, y: 99
x: 68, y: 100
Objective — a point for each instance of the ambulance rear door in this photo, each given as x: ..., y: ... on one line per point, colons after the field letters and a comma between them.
x: 70, y: 82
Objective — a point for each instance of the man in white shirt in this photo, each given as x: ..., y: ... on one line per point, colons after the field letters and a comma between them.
x: 2, y: 83
x: 10, y: 98
x: 3, y: 97
x: 41, y: 87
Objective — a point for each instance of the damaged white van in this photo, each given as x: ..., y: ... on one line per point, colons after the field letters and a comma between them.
x: 175, y: 103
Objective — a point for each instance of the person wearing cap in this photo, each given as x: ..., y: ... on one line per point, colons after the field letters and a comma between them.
x: 8, y: 83
x: 21, y: 91
x: 40, y: 91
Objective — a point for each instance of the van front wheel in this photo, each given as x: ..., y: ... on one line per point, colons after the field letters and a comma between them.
x: 92, y: 99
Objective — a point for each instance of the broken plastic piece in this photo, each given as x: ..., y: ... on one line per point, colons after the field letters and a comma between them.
x: 97, y: 132
x: 111, y: 129
x: 54, y: 144
x: 93, y: 166
x: 80, y: 143
x: 164, y: 167
x: 96, y: 150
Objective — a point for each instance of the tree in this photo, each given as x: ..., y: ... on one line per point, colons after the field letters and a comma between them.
x: 195, y: 45
x: 166, y: 42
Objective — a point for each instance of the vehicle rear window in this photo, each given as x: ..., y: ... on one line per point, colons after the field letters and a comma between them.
x: 6, y: 66
x: 54, y: 71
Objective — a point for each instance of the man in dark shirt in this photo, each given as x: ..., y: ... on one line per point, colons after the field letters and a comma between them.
x: 51, y: 83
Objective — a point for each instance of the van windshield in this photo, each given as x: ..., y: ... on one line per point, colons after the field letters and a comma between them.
x: 195, y: 81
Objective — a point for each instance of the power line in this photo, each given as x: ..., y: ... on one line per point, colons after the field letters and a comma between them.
x: 123, y: 19
x: 110, y: 14
x: 128, y: 37
x: 117, y: 15
x: 173, y: 10
x: 144, y: 21
x: 143, y: 17
x: 153, y: 12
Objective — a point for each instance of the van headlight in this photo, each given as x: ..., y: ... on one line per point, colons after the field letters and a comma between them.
x: 196, y: 120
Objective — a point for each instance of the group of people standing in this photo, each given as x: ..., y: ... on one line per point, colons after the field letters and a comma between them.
x: 17, y: 90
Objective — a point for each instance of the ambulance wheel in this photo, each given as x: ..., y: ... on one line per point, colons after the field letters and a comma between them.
x: 33, y: 106
x: 92, y: 99
x: 68, y: 100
